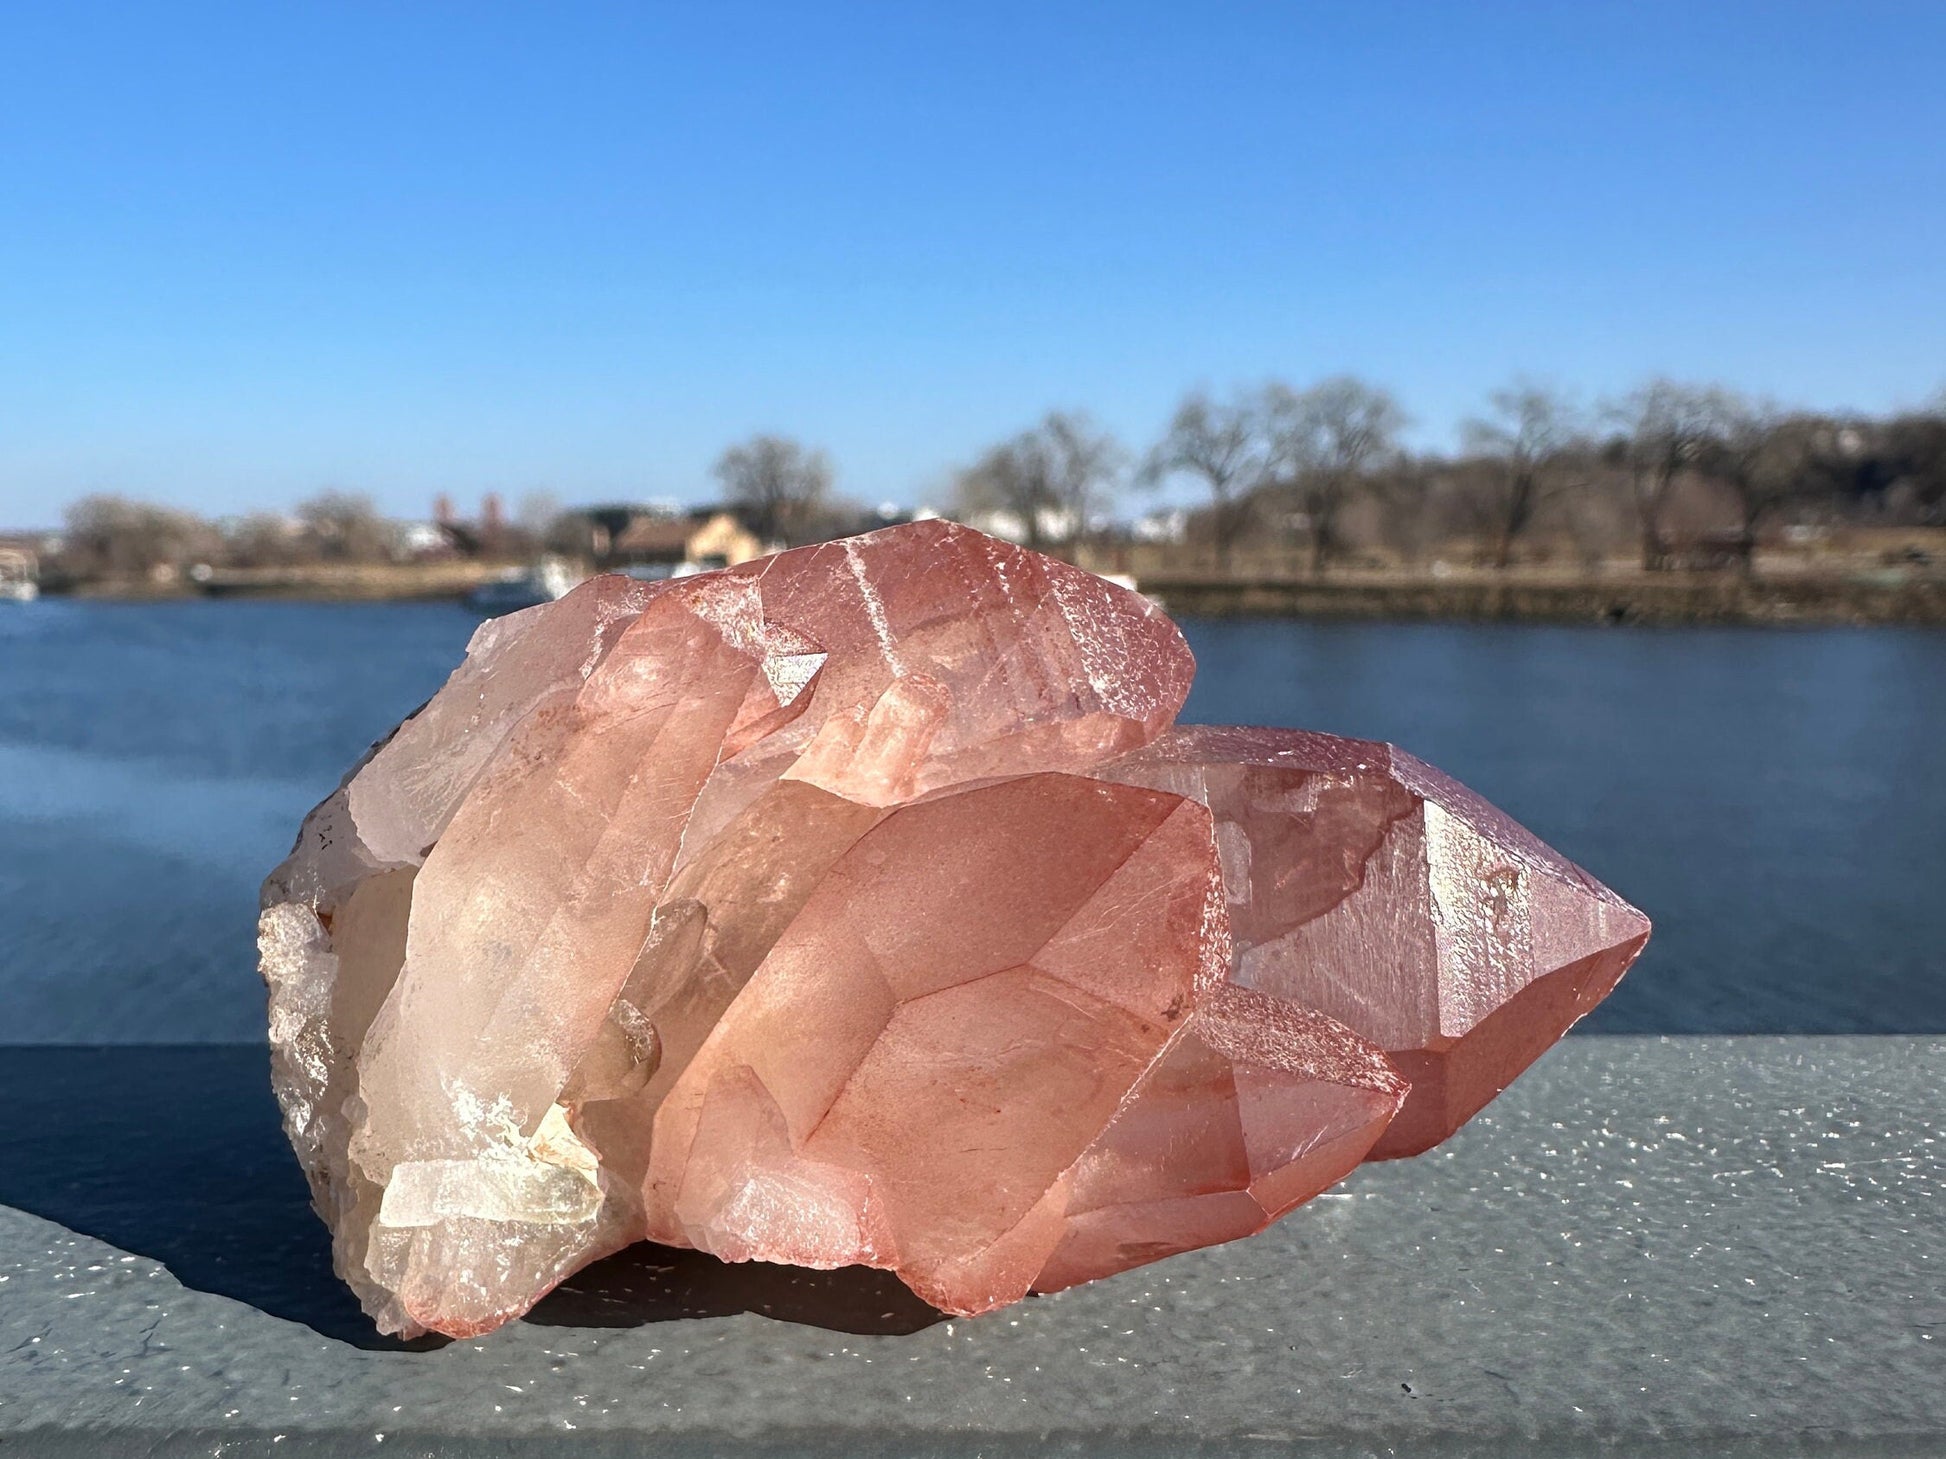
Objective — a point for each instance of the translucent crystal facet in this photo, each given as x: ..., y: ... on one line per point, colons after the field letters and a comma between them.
x: 860, y: 905
x: 1364, y: 884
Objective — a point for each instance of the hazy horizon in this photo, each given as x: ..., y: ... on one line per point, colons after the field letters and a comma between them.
x: 249, y: 254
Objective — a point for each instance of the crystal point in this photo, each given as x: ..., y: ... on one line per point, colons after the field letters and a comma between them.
x: 1366, y: 885
x: 861, y: 905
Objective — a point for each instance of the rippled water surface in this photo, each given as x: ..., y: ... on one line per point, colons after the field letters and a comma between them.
x: 1775, y: 799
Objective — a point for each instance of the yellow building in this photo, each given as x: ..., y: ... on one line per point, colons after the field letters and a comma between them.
x: 716, y: 539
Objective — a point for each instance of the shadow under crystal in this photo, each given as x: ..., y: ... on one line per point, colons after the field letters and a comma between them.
x: 177, y: 1153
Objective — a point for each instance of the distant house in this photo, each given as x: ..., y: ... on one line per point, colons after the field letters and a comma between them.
x: 38, y: 544
x: 424, y: 541
x: 701, y: 539
x: 721, y: 539
x: 1051, y: 524
x: 652, y: 542
x: 19, y: 571
x: 1169, y: 526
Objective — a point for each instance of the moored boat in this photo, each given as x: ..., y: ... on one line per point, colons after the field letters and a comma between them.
x: 522, y: 587
x: 19, y: 576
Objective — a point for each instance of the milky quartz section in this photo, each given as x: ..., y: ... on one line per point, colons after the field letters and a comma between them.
x: 1364, y: 884
x: 860, y: 905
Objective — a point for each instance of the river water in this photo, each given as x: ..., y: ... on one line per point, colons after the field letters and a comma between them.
x: 1774, y: 799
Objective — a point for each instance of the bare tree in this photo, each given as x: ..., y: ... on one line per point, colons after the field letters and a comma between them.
x: 1912, y: 446
x: 1053, y: 479
x: 1748, y: 448
x: 1010, y: 480
x: 1325, y: 441
x: 345, y: 526
x: 262, y: 539
x: 780, y: 483
x: 1224, y: 448
x: 533, y: 526
x: 1666, y: 425
x: 112, y: 536
x: 536, y: 513
x: 1527, y: 437
x: 1412, y: 505
x: 1083, y: 466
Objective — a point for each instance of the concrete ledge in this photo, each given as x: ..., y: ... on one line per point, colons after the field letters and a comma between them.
x: 1650, y: 1246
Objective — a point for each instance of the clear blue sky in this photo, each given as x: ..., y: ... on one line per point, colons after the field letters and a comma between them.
x: 250, y: 251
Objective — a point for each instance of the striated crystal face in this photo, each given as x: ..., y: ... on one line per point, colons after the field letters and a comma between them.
x: 860, y: 905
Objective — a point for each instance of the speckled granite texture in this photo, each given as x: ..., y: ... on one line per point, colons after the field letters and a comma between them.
x: 1651, y: 1246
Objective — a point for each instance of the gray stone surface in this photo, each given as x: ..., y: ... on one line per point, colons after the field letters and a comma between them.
x: 1680, y: 1246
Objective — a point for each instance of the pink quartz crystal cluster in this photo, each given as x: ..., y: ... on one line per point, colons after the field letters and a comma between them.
x: 865, y: 904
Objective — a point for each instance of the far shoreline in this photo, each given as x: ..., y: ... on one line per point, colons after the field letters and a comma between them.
x: 1660, y: 599
x: 1611, y: 597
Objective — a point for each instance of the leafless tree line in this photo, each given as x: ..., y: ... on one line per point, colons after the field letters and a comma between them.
x: 110, y: 536
x: 117, y: 537
x: 1281, y: 466
x: 1318, y: 472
